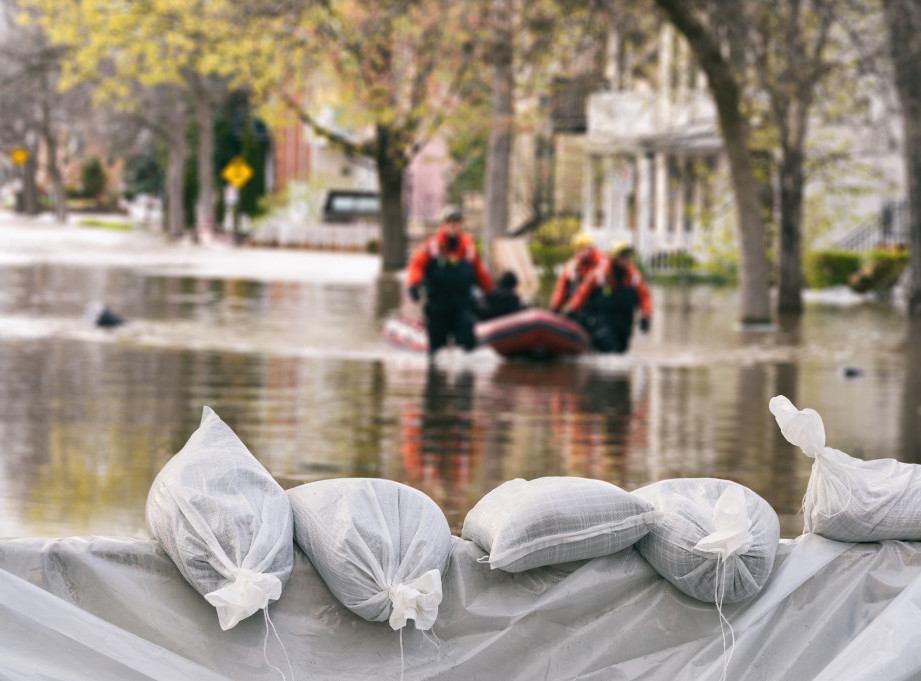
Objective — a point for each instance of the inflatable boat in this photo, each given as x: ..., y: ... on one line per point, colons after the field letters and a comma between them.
x: 533, y: 333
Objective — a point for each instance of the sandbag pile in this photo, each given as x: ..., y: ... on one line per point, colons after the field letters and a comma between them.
x: 224, y: 521
x: 382, y: 547
x: 849, y: 499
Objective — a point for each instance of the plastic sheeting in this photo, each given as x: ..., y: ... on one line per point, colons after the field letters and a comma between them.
x: 110, y: 608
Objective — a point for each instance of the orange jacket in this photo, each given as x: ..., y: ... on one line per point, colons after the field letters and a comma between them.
x: 602, y: 275
x: 573, y: 274
x: 436, y: 246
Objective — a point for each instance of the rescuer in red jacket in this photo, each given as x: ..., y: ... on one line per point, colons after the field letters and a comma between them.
x: 606, y: 301
x: 583, y: 262
x: 448, y: 267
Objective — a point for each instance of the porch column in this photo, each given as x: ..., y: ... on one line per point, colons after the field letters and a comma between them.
x: 643, y: 204
x: 661, y: 197
x: 609, y: 196
x: 588, y: 194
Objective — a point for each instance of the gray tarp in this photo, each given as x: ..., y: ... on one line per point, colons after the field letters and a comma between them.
x: 99, y: 608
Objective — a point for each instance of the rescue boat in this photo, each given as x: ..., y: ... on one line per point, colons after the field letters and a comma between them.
x: 532, y: 333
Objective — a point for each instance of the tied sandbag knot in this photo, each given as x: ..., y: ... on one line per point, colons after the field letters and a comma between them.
x: 248, y: 592
x: 732, y: 535
x: 417, y: 600
x: 803, y: 428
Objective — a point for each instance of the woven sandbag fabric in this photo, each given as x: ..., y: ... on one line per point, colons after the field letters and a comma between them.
x: 382, y: 547
x: 523, y: 524
x: 224, y: 521
x: 849, y: 499
x: 687, y: 507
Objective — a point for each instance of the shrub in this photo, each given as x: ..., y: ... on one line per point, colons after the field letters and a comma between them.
x: 93, y: 176
x: 557, y: 231
x: 830, y: 268
x: 880, y: 270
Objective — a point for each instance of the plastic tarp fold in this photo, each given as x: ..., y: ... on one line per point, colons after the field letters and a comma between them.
x: 117, y: 608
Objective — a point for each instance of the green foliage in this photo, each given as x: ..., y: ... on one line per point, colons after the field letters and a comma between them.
x: 143, y: 174
x: 93, y: 178
x: 558, y: 231
x: 830, y: 267
x: 880, y: 270
x: 468, y: 150
x: 548, y: 257
x: 114, y: 225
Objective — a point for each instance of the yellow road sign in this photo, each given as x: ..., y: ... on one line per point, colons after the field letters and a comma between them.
x: 237, y: 172
x: 19, y: 156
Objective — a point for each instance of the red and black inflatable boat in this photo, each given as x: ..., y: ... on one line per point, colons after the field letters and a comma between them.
x: 532, y: 333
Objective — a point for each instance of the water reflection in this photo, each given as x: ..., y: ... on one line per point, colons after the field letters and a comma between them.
x: 298, y: 369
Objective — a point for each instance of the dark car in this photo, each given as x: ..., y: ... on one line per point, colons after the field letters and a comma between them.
x: 347, y: 205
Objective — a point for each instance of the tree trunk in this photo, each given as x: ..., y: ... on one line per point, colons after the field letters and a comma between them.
x: 29, y: 186
x: 754, y: 297
x: 175, y: 174
x: 59, y: 194
x: 903, y: 18
x: 790, y: 293
x: 500, y: 131
x: 390, y: 169
x: 57, y: 182
x: 204, y: 117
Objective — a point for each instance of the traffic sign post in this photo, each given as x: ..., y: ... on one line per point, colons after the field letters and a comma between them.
x: 19, y: 155
x: 237, y: 173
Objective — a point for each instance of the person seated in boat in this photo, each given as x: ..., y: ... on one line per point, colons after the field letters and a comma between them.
x: 503, y: 300
x: 584, y: 261
x: 448, y: 267
x: 607, y: 301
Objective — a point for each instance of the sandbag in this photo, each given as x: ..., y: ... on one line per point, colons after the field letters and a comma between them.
x: 380, y: 546
x: 523, y: 524
x: 849, y: 499
x: 224, y: 521
x: 715, y: 540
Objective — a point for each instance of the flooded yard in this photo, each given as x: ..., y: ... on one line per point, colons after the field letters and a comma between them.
x: 286, y: 347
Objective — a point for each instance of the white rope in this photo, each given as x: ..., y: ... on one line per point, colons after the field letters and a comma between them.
x: 718, y: 599
x: 265, y: 644
x: 402, y: 664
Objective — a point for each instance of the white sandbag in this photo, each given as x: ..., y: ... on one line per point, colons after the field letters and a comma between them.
x: 224, y: 521
x: 715, y: 539
x: 523, y: 524
x: 380, y: 546
x: 849, y: 499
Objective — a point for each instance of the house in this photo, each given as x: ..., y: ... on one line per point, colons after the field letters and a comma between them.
x: 655, y: 174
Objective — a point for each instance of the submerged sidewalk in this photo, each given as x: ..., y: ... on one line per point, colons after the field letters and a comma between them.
x: 25, y: 240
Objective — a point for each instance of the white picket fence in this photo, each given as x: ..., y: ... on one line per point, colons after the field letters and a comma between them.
x: 351, y: 236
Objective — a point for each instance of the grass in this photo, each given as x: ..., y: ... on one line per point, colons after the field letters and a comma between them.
x: 116, y: 225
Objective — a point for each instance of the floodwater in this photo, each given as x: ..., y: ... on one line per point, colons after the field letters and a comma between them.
x: 287, y: 349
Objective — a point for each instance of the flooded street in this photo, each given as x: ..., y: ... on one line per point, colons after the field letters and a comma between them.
x: 286, y: 347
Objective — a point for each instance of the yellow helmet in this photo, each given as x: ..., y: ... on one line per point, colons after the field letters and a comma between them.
x: 582, y: 240
x: 620, y: 248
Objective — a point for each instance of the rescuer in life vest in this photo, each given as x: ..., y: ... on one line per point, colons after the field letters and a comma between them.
x: 448, y: 267
x: 583, y: 262
x: 606, y: 301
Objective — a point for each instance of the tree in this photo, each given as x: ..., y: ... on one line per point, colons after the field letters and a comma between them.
x: 724, y: 79
x: 502, y: 116
x: 390, y: 71
x: 789, y: 41
x: 133, y: 52
x: 903, y: 19
x: 32, y: 110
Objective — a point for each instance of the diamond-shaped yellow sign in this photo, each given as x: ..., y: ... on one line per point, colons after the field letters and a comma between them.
x: 237, y: 172
x: 19, y: 155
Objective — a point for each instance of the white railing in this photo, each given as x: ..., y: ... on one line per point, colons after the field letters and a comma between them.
x: 352, y: 236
